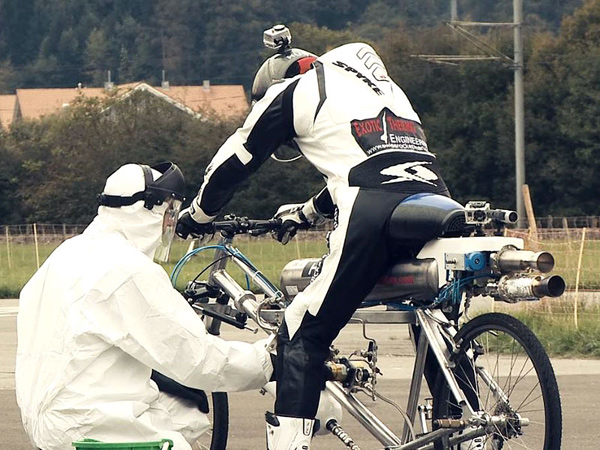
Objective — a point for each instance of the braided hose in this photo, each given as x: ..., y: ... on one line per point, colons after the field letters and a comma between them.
x: 339, y: 432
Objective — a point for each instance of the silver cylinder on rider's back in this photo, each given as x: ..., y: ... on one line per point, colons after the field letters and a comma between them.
x: 415, y: 279
x: 513, y: 260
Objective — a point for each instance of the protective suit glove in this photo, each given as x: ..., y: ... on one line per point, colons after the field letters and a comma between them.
x: 267, y: 348
x: 296, y: 217
x: 196, y: 397
x: 186, y: 225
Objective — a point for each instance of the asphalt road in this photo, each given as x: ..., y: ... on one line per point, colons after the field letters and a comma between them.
x: 579, y: 382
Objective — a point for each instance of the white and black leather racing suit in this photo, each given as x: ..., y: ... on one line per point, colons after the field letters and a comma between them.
x: 358, y: 128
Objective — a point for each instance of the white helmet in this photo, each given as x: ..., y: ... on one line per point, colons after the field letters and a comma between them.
x: 143, y: 203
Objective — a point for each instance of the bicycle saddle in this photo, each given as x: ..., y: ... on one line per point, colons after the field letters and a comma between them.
x: 425, y: 216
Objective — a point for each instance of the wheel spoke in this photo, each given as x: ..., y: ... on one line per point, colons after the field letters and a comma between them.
x: 519, y: 380
x: 521, y: 375
x: 512, y: 364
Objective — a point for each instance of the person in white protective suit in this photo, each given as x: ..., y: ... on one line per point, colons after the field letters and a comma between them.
x: 100, y: 315
x: 354, y: 124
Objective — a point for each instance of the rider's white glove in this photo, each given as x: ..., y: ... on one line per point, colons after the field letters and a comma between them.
x: 295, y: 217
x: 193, y: 221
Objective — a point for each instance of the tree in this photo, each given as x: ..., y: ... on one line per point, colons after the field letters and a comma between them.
x: 319, y: 40
x: 465, y: 110
x: 97, y: 56
x: 10, y: 206
x: 565, y: 111
x: 66, y: 157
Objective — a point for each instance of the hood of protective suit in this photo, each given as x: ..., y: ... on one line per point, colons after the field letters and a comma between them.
x: 142, y: 227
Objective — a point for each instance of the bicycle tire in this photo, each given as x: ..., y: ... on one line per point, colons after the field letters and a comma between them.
x: 216, y: 437
x: 494, y: 332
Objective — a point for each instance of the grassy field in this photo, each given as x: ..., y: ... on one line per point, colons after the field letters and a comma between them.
x: 267, y: 254
x: 23, y: 264
x: 555, y: 327
x: 566, y: 255
x: 271, y: 257
x: 551, y: 321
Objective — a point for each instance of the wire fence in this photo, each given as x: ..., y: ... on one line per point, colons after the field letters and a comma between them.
x: 575, y: 245
x: 577, y: 255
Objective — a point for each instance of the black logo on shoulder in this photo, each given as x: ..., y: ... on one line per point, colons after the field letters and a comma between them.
x: 359, y: 75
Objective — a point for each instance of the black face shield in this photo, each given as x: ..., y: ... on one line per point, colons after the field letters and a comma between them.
x: 170, y: 184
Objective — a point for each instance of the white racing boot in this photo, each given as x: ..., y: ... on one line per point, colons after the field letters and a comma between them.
x: 288, y: 433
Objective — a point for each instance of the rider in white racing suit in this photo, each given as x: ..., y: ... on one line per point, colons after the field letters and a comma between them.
x: 100, y: 315
x: 357, y: 127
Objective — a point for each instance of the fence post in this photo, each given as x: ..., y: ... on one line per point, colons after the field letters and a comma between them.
x: 577, y: 277
x: 8, y: 247
x: 192, y: 245
x: 297, y: 247
x: 37, y: 250
x: 533, y: 231
x: 567, y: 233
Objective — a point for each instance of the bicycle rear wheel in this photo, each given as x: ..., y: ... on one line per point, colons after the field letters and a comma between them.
x: 516, y: 363
x: 216, y: 436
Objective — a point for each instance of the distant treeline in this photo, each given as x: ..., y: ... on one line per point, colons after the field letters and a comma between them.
x: 60, y: 43
x: 52, y: 169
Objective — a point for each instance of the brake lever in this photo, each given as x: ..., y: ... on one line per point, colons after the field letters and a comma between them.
x: 238, y: 321
x: 273, y: 225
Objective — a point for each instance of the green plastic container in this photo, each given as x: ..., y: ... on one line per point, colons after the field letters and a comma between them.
x: 93, y: 444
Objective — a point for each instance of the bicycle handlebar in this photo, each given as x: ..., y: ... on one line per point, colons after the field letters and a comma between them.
x: 242, y: 225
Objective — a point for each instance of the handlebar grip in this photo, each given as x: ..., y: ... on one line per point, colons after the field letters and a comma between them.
x: 240, y: 225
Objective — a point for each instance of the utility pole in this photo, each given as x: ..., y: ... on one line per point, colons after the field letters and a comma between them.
x: 453, y: 11
x: 519, y: 110
x: 516, y: 63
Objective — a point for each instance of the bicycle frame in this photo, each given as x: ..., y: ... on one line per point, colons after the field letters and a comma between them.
x: 436, y: 334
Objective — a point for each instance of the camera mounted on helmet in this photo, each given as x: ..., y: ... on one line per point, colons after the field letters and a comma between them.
x: 170, y: 184
x: 286, y: 63
x: 278, y: 38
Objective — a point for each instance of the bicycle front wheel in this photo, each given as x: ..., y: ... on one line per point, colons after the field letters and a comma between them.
x: 215, y: 437
x: 505, y: 372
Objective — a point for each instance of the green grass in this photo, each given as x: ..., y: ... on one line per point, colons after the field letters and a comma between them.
x: 270, y: 257
x: 267, y: 254
x: 555, y: 328
x: 23, y: 264
x: 553, y: 322
x: 557, y: 332
x: 566, y: 256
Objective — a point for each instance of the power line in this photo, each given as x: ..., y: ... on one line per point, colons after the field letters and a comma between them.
x: 516, y: 63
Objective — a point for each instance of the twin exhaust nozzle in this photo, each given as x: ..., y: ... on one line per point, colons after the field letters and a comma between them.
x: 518, y: 286
x: 514, y: 285
x: 509, y: 259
